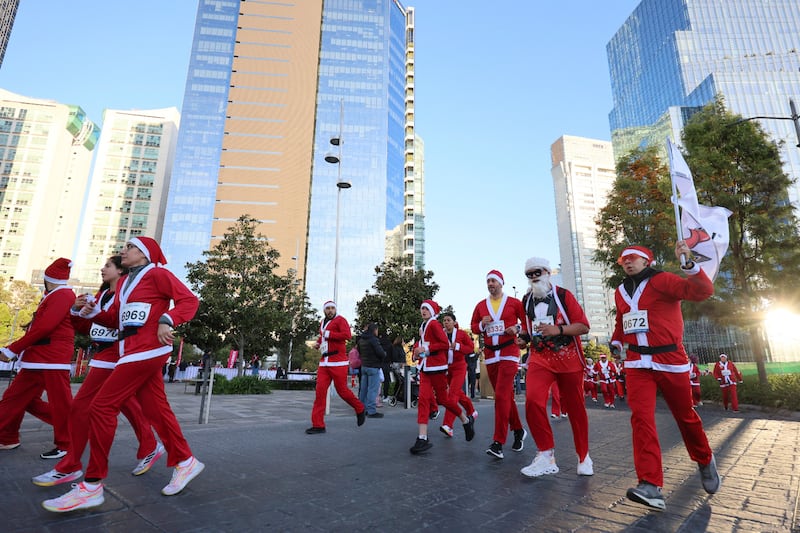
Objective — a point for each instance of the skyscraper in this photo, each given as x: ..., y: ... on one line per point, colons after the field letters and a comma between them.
x: 8, y: 11
x: 128, y: 189
x: 583, y: 175
x: 672, y: 56
x: 45, y: 153
x: 266, y: 87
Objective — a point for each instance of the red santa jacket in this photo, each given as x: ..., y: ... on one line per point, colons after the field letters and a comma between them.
x: 605, y: 373
x: 138, y: 307
x: 660, y: 346
x: 333, y: 334
x: 456, y: 358
x: 434, y: 339
x: 497, y: 346
x: 50, y: 340
x: 563, y: 353
x: 104, y: 339
x: 727, y: 374
x: 694, y: 375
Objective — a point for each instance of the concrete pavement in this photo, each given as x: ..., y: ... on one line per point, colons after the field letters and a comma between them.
x: 263, y: 473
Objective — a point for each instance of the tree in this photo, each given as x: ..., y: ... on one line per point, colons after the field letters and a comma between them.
x: 594, y: 350
x: 20, y: 299
x: 301, y: 322
x: 398, y: 293
x: 638, y: 211
x: 242, y: 299
x: 735, y: 165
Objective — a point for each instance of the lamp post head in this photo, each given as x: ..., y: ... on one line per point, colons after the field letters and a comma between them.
x: 331, y: 158
x: 344, y: 184
x: 335, y: 141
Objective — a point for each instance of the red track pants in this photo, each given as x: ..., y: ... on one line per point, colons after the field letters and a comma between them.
x: 325, y: 376
x: 25, y: 393
x: 501, y: 376
x: 537, y: 387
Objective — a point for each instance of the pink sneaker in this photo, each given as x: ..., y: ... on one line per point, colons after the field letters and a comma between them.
x: 182, y: 476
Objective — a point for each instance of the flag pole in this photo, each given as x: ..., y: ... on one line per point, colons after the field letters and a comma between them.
x: 675, y: 199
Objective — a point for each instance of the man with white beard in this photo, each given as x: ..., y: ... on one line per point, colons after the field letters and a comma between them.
x: 553, y: 326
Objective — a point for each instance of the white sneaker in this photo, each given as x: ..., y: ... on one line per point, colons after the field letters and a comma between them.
x: 145, y: 464
x: 182, y: 476
x: 586, y: 467
x: 80, y: 497
x: 54, y: 477
x: 474, y: 415
x: 543, y: 463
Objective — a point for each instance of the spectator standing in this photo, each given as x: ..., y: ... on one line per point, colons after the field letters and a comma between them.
x: 372, y: 357
x: 727, y: 375
x: 649, y: 332
x: 472, y: 373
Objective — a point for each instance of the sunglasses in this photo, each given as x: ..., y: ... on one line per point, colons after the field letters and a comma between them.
x: 534, y: 273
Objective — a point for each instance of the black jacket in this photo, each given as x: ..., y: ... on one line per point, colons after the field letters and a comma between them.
x: 372, y: 354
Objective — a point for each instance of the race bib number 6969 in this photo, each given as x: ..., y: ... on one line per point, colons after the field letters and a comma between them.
x: 134, y: 314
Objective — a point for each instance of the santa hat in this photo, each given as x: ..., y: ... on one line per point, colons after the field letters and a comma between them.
x: 431, y: 306
x: 723, y: 355
x: 150, y: 249
x: 496, y: 275
x: 329, y: 303
x: 603, y: 355
x: 640, y: 251
x: 537, y: 262
x: 58, y: 272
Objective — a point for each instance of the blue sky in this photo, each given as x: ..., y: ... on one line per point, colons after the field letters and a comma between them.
x: 496, y: 84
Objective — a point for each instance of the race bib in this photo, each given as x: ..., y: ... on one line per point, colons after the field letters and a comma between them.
x: 323, y: 346
x: 546, y: 320
x: 134, y: 314
x: 726, y: 373
x: 495, y: 328
x: 635, y: 322
x: 100, y: 333
x: 426, y: 348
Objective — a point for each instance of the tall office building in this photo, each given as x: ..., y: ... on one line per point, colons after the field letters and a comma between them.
x: 583, y: 175
x: 8, y: 11
x: 672, y: 56
x: 128, y: 190
x: 45, y: 152
x: 269, y: 85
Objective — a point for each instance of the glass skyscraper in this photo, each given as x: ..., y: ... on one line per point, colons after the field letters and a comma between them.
x: 269, y: 85
x: 672, y: 56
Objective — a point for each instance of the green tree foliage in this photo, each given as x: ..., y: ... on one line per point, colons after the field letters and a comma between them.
x: 638, y: 212
x: 18, y: 301
x: 394, y: 304
x: 301, y: 323
x: 243, y: 302
x: 593, y: 350
x: 736, y: 165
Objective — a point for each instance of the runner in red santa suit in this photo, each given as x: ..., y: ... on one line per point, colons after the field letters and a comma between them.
x: 694, y: 380
x: 554, y: 322
x: 106, y: 353
x: 649, y: 335
x: 460, y: 345
x: 589, y: 382
x: 45, y: 352
x: 727, y: 375
x: 334, y: 332
x: 430, y: 352
x: 143, y: 315
x: 606, y: 373
x: 498, y: 319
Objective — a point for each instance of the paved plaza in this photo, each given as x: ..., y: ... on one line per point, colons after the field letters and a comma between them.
x: 263, y: 473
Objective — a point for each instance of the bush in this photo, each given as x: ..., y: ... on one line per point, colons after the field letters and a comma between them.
x: 77, y: 379
x: 241, y: 385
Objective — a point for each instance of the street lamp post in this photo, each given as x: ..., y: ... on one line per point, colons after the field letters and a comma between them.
x: 336, y: 158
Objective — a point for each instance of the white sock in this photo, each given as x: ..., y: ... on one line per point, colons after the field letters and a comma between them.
x: 423, y: 437
x: 187, y: 462
x: 92, y: 486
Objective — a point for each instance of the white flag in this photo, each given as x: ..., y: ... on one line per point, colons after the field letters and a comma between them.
x: 705, y: 229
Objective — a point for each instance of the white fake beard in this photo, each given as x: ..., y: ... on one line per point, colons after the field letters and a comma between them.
x: 540, y: 286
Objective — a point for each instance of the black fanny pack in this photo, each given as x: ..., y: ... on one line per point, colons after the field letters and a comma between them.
x: 652, y: 350
x: 498, y: 346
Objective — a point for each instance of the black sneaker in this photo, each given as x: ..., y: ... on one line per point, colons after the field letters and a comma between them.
x: 361, y: 417
x: 709, y: 476
x: 55, y: 453
x: 314, y: 430
x: 420, y: 446
x: 375, y: 415
x: 496, y: 450
x: 434, y: 414
x: 469, y: 429
x: 647, y: 494
x: 519, y: 436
